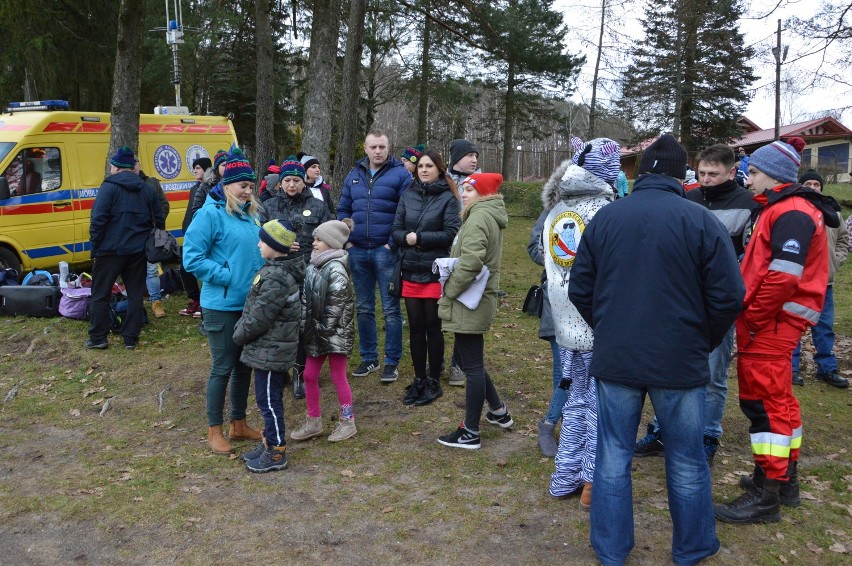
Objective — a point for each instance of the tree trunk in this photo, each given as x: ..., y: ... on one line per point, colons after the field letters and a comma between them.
x: 593, y: 110
x: 423, y: 106
x: 127, y: 81
x: 322, y: 62
x: 264, y: 126
x: 508, y: 125
x: 350, y: 90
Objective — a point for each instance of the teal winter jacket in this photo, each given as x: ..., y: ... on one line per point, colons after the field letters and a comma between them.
x: 220, y: 249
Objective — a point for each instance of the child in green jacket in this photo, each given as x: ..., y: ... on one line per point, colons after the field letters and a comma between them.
x: 268, y: 331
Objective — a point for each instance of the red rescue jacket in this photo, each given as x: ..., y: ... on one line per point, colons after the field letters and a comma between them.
x: 785, y: 267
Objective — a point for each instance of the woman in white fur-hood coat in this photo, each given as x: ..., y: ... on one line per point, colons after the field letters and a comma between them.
x: 573, y: 195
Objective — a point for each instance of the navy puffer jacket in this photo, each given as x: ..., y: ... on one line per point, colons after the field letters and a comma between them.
x: 371, y: 201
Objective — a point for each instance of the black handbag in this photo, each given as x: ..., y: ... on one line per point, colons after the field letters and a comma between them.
x: 161, y: 245
x: 395, y: 283
x: 534, y: 301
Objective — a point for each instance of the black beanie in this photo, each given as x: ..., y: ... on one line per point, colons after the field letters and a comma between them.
x: 666, y: 157
x: 204, y: 162
x: 811, y: 175
x: 459, y: 148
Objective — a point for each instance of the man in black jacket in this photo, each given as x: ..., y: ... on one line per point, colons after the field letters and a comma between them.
x: 125, y: 211
x: 678, y: 262
x: 734, y: 207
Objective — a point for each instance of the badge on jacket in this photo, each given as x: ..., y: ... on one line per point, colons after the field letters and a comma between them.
x: 306, y: 213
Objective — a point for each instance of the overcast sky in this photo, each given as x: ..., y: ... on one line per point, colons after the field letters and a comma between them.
x: 758, y: 26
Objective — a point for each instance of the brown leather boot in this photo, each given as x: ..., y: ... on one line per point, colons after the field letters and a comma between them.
x: 217, y: 441
x: 240, y: 430
x: 586, y: 496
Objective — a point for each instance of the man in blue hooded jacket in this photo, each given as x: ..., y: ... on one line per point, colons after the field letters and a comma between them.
x: 685, y: 292
x: 125, y: 211
x: 370, y: 196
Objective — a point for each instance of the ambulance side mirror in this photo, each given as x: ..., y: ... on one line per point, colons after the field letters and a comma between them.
x: 4, y: 189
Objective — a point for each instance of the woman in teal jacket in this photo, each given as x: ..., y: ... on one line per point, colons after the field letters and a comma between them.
x: 220, y: 249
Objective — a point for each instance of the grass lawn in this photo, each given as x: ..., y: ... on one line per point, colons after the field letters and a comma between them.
x: 136, y: 484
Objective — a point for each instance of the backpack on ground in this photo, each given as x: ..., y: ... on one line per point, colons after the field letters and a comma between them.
x: 39, y: 277
x: 8, y: 276
x: 75, y: 302
x: 170, y: 281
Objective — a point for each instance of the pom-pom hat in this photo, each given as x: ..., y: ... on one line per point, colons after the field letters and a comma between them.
x: 237, y: 168
x: 292, y: 167
x: 779, y: 160
x: 123, y: 158
x: 412, y: 154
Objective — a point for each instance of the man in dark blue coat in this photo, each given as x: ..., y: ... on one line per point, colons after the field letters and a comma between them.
x: 123, y: 215
x: 684, y: 291
x: 370, y: 196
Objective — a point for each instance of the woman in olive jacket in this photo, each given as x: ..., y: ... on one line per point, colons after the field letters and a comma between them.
x: 427, y: 220
x: 479, y: 243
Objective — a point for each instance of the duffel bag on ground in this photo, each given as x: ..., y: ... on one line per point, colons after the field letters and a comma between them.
x: 75, y: 302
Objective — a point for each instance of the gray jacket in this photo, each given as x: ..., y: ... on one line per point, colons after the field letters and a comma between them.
x: 268, y: 330
x: 328, y: 308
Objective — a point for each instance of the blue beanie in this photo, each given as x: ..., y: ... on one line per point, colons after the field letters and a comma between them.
x: 601, y: 157
x: 778, y: 160
x: 237, y: 168
x: 123, y: 158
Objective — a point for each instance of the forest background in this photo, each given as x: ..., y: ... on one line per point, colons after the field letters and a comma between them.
x: 518, y: 77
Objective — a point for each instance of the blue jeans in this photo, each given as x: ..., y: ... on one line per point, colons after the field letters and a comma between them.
x: 681, y: 414
x: 152, y: 281
x: 371, y: 267
x: 717, y: 389
x: 823, y: 335
x: 557, y: 400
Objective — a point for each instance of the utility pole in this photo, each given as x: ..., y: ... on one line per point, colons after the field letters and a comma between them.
x: 780, y: 57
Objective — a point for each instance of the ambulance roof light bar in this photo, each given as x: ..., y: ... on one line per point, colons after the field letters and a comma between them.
x: 37, y: 105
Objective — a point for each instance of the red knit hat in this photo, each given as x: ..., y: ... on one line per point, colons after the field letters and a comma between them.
x: 484, y: 183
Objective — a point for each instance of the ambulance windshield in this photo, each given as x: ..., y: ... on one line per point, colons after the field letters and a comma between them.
x: 5, y: 148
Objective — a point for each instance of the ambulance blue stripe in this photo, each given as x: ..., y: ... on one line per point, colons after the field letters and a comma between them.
x: 40, y: 197
x: 38, y: 253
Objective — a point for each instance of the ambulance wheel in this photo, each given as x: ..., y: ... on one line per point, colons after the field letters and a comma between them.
x: 9, y: 259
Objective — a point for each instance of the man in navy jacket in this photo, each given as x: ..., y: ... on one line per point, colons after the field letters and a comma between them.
x: 684, y: 291
x: 125, y: 211
x: 370, y: 196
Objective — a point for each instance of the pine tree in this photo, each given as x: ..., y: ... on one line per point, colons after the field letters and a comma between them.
x: 691, y: 74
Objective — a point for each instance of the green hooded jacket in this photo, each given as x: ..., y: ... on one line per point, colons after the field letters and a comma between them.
x: 478, y: 243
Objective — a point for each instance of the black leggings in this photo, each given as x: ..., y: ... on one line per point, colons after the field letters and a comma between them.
x: 424, y: 330
x: 479, y: 387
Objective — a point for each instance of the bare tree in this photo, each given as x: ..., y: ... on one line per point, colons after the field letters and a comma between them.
x: 322, y: 62
x: 127, y: 79
x: 265, y: 125
x: 350, y: 91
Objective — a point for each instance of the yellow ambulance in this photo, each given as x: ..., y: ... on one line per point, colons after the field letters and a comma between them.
x: 52, y: 162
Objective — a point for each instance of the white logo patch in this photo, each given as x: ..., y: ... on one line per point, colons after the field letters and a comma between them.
x: 791, y: 246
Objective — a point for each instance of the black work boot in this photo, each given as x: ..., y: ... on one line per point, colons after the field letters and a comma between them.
x: 832, y: 378
x: 759, y: 505
x: 298, y: 384
x: 789, y: 492
x: 413, y: 391
x: 798, y: 380
x: 431, y: 392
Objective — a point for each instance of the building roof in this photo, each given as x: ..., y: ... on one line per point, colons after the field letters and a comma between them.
x: 811, y: 131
